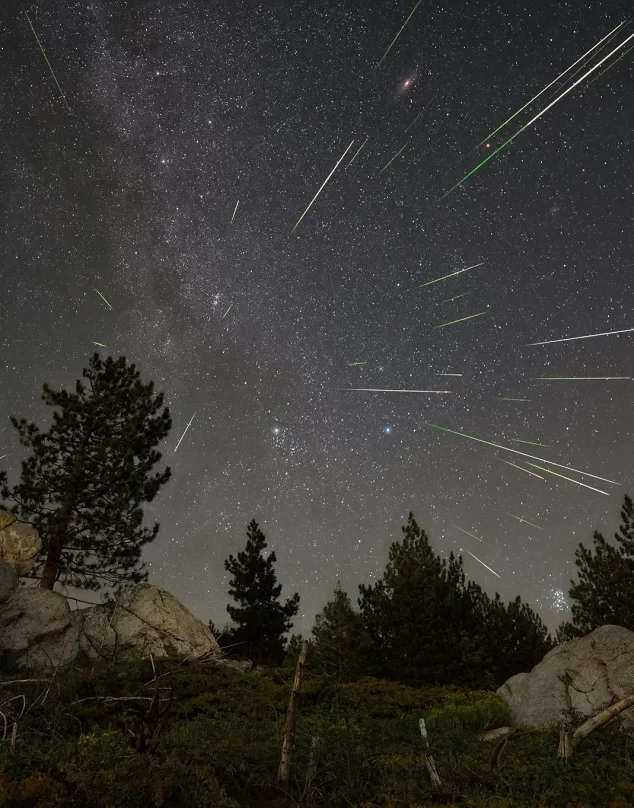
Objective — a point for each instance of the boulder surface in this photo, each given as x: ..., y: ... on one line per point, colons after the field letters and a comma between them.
x: 37, y: 630
x: 19, y: 543
x: 143, y: 620
x: 8, y: 581
x: 585, y: 674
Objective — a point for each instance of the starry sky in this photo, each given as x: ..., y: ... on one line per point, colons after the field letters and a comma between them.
x: 172, y: 113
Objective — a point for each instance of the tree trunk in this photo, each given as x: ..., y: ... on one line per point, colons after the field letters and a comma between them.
x: 284, y: 772
x: 598, y: 720
x: 429, y: 761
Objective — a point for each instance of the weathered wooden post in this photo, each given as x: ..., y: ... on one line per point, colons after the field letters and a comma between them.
x: 429, y: 761
x: 284, y: 772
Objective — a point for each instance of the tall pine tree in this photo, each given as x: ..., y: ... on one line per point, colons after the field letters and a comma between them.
x: 261, y: 620
x: 84, y: 483
x: 604, y: 593
x: 340, y: 640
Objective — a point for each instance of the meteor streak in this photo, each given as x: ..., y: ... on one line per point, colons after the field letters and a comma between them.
x: 539, y: 114
x: 516, y: 451
x: 466, y: 531
x: 578, y: 378
x: 104, y: 299
x: 227, y: 312
x: 530, y: 443
x: 100, y: 344
x: 389, y: 162
x: 524, y: 520
x: 515, y: 466
x: 569, y: 479
x: 450, y: 374
x: 483, y: 564
x: 357, y: 152
x: 377, y: 390
x: 462, y: 319
x: 419, y: 114
x: 528, y: 103
x: 586, y: 336
x: 503, y: 398
x: 398, y: 35
x: 61, y: 92
x: 184, y: 433
x: 234, y: 210
x: 297, y: 223
x: 354, y: 364
x: 457, y: 297
x: 451, y: 274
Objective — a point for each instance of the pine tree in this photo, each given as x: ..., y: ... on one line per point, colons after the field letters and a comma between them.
x: 85, y: 480
x: 604, y: 593
x: 341, y: 642
x: 261, y: 620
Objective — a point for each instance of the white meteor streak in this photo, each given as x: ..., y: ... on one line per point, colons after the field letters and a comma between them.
x: 444, y: 277
x: 515, y: 466
x: 586, y: 336
x: 234, y: 210
x: 185, y: 432
x: 377, y: 390
x: 483, y: 564
x: 598, y: 490
x: 466, y: 531
x: 297, y: 223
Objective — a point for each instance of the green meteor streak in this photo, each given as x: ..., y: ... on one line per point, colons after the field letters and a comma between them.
x: 467, y: 532
x: 528, y: 103
x: 502, y: 398
x: 61, y: 92
x: 462, y: 319
x: 598, y: 490
x: 457, y: 297
x: 483, y: 564
x: 357, y: 152
x: 398, y: 35
x: 519, y: 518
x: 532, y: 473
x: 516, y: 451
x: 104, y: 299
x: 451, y: 274
x: 419, y: 114
x: 354, y: 364
x: 578, y: 378
x: 3, y: 456
x: 298, y: 222
x: 393, y: 158
x: 185, y: 432
x: 227, y: 312
x: 530, y: 443
x: 539, y: 114
x: 100, y: 344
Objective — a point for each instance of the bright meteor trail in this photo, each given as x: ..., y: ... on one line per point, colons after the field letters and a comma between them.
x: 297, y: 223
x: 354, y: 156
x: 528, y: 103
x: 548, y: 471
x: 515, y: 466
x: 552, y: 103
x: 398, y: 35
x: 467, y: 532
x: 377, y: 390
x: 61, y: 92
x: 185, y: 432
x: 515, y: 451
x: 462, y: 319
x: 104, y: 299
x: 227, y: 312
x: 586, y: 336
x: 234, y: 210
x: 483, y: 564
x: 389, y: 162
x: 451, y: 275
x: 520, y: 519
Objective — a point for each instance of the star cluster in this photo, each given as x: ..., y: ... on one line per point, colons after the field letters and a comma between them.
x: 177, y: 112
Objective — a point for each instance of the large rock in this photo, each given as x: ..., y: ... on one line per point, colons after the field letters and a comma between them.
x: 37, y: 630
x: 8, y: 581
x: 144, y: 620
x: 19, y: 543
x: 587, y: 675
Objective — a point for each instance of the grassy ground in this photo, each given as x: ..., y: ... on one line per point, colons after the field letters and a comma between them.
x: 201, y: 735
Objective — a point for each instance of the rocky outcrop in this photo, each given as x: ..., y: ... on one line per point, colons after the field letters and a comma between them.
x: 586, y: 675
x: 8, y: 581
x: 144, y: 620
x: 37, y: 629
x: 19, y: 543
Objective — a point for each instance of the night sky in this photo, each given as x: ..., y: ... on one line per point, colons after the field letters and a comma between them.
x: 175, y: 111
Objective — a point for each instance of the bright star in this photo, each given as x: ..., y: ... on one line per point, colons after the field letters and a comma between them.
x: 388, y: 430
